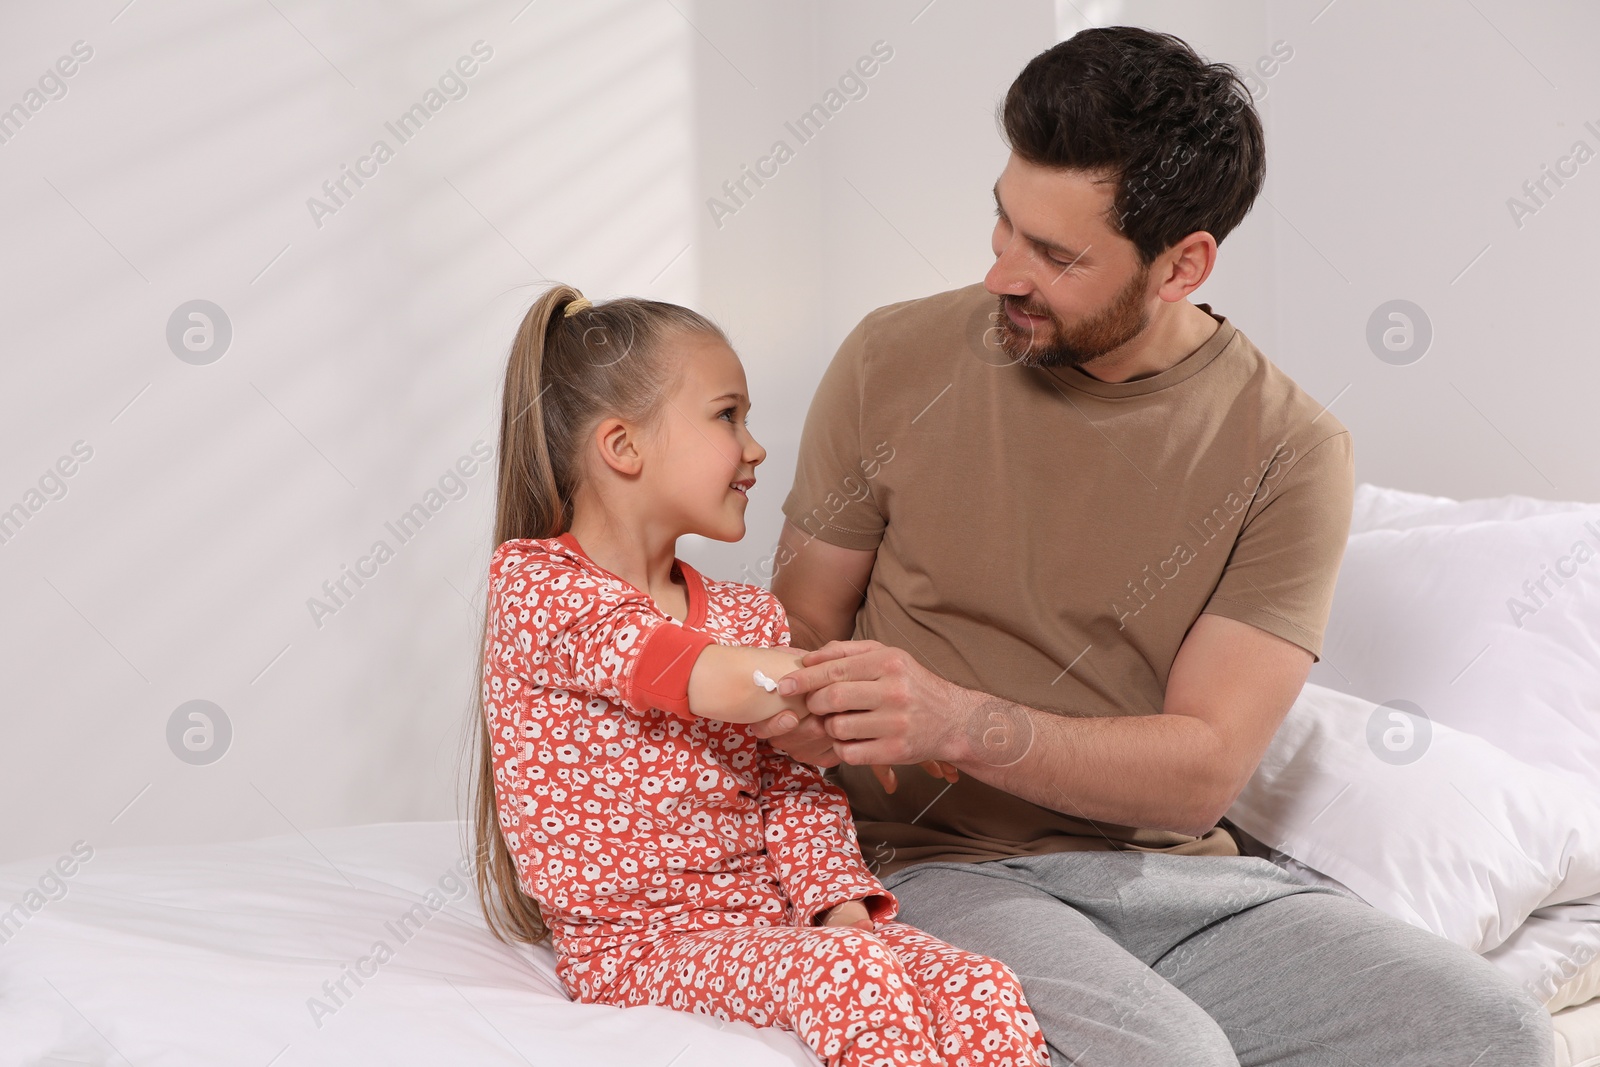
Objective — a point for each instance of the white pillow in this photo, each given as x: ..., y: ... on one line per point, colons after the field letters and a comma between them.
x: 1440, y: 615
x: 1381, y: 508
x: 1555, y: 955
x: 1463, y: 839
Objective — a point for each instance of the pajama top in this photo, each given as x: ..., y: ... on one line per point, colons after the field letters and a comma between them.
x: 627, y: 816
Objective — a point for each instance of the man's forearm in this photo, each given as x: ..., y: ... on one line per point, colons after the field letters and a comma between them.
x: 1156, y: 771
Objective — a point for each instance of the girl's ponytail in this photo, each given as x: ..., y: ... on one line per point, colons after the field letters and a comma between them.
x: 565, y: 373
x: 532, y: 503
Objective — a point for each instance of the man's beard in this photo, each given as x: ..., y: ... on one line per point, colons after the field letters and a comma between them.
x: 1063, y: 346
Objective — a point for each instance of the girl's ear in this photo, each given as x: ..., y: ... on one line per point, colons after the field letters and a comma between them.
x: 618, y: 443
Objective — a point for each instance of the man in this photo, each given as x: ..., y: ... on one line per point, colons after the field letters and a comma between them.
x: 1078, y: 537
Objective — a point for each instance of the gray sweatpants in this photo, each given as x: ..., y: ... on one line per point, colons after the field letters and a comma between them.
x: 1133, y: 959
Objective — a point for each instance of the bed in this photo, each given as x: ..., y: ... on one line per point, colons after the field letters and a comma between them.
x: 205, y: 954
x: 265, y: 952
x: 1477, y: 818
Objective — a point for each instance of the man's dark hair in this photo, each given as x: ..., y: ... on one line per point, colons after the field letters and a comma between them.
x: 1180, y: 136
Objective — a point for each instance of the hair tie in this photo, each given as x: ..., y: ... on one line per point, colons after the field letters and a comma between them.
x: 576, y: 306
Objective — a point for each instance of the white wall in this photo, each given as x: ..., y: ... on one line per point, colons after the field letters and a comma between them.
x: 890, y: 200
x: 1397, y: 133
x: 364, y: 363
x: 366, y: 351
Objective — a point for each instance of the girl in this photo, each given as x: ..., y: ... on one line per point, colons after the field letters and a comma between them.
x: 623, y: 806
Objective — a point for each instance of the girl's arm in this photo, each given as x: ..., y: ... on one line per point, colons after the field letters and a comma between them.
x: 722, y: 686
x: 722, y: 683
x: 811, y: 835
x: 563, y: 627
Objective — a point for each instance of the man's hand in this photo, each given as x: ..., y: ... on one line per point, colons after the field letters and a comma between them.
x: 850, y: 913
x: 1230, y: 687
x: 809, y: 742
x: 872, y: 704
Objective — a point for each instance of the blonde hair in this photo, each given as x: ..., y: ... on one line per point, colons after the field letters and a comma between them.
x: 566, y: 372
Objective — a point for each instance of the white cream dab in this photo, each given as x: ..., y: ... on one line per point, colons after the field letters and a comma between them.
x: 766, y: 683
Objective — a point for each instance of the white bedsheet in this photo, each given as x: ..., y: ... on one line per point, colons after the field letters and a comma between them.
x: 218, y: 954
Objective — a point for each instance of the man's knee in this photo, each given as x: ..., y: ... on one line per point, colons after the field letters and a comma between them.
x: 1431, y: 1001
x: 1487, y: 1021
x: 1529, y: 1035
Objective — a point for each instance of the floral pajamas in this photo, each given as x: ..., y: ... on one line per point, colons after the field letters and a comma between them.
x: 683, y: 861
x: 894, y: 995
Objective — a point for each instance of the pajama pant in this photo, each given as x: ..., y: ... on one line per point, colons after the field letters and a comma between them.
x: 1134, y: 959
x: 858, y: 998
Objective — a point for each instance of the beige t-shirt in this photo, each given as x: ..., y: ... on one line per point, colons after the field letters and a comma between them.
x: 1050, y: 538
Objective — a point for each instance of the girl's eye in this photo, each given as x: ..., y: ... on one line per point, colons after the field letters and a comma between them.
x: 727, y: 411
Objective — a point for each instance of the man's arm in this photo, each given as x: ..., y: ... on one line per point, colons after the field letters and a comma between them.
x: 821, y: 586
x: 1230, y: 687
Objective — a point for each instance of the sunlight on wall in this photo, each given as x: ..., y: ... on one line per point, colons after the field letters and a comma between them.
x: 279, y: 499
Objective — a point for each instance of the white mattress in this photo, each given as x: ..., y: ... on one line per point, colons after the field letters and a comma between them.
x: 219, y: 953
x: 1578, y: 1036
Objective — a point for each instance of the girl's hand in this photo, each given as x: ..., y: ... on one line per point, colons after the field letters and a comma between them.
x: 885, y: 775
x: 937, y: 768
x: 850, y: 913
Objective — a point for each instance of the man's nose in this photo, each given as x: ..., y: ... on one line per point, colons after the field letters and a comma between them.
x: 1006, y: 278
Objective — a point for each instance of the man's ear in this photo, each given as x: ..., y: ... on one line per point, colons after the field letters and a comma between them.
x: 618, y: 444
x: 1188, y: 264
